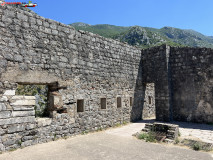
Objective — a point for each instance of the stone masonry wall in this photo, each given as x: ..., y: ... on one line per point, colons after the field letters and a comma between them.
x: 155, y: 70
x: 192, y: 81
x: 183, y: 82
x: 149, y: 102
x: 76, y: 65
x: 81, y: 68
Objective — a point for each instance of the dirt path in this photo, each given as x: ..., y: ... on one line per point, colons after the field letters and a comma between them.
x: 112, y: 144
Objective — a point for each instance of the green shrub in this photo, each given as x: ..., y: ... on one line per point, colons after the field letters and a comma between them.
x: 197, y: 146
x: 19, y: 143
x: 148, y: 137
x: 142, y: 136
x: 41, y: 93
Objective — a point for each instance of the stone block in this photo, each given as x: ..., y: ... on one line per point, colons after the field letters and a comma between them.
x: 42, y: 122
x: 23, y: 97
x: 5, y: 114
x: 2, y: 147
x: 23, y: 102
x: 18, y: 58
x: 1, y: 133
x: 10, y: 92
x: 22, y: 17
x: 10, y: 13
x: 6, y: 19
x: 2, y: 107
x: 16, y: 128
x: 30, y: 126
x: 17, y: 120
x: 22, y: 108
x: 23, y: 113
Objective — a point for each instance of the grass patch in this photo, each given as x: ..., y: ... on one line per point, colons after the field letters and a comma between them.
x: 84, y: 132
x: 12, y: 149
x: 177, y: 141
x: 148, y: 137
x: 197, y: 146
x: 99, y: 129
x: 118, y: 125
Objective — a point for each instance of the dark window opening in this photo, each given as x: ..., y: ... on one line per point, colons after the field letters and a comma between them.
x: 150, y: 100
x: 131, y: 101
x: 103, y: 103
x: 119, y: 103
x: 80, y: 105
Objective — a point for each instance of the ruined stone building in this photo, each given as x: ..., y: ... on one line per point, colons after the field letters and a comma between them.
x: 93, y: 82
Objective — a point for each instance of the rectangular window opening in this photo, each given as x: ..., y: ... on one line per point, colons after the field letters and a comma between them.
x: 103, y: 103
x: 119, y: 103
x: 41, y: 94
x: 80, y: 105
x: 131, y: 101
x: 150, y: 100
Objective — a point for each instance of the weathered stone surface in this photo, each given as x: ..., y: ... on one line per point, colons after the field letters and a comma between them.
x: 17, y: 120
x: 2, y: 107
x: 23, y: 97
x: 3, y: 99
x: 24, y: 102
x: 22, y: 108
x: 16, y: 128
x: 9, y: 92
x: 2, y: 147
x: 5, y: 114
x: 42, y: 122
x: 78, y: 65
x: 23, y: 113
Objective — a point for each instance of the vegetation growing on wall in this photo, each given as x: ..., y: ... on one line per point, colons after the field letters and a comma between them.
x: 40, y: 92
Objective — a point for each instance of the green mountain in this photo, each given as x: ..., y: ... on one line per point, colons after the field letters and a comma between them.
x: 105, y: 30
x: 186, y: 37
x: 145, y: 37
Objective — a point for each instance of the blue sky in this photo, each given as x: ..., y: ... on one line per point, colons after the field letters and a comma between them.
x: 185, y: 14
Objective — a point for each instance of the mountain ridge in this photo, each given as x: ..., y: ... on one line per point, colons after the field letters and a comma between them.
x: 145, y: 37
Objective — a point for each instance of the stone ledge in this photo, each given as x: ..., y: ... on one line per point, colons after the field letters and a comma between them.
x: 170, y: 130
x: 23, y: 113
x: 23, y: 98
x: 22, y: 108
x: 17, y: 120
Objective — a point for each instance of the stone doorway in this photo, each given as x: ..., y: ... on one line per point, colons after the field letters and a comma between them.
x: 149, y: 109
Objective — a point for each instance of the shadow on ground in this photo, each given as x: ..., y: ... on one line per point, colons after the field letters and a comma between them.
x: 186, y: 125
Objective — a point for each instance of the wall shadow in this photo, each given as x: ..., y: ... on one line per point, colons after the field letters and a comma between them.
x: 191, y: 125
x: 139, y: 95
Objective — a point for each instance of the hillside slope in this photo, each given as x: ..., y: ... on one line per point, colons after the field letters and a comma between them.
x: 147, y: 37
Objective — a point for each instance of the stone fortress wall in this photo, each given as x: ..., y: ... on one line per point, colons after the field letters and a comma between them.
x: 191, y: 76
x: 79, y: 68
x: 183, y: 79
x: 93, y: 82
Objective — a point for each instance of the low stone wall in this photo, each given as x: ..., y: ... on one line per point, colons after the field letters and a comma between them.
x: 169, y: 130
x: 17, y: 115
